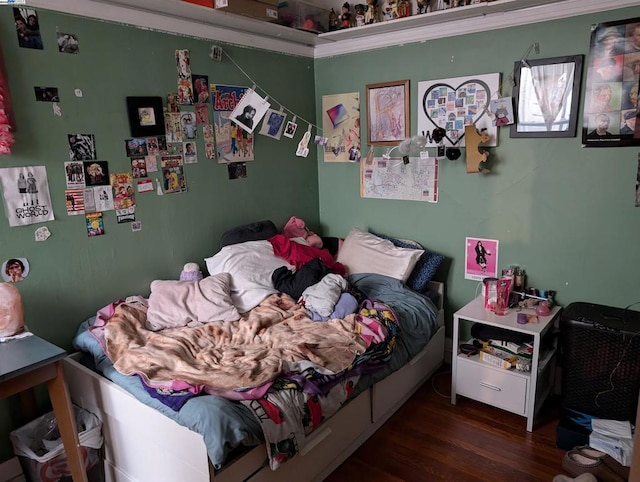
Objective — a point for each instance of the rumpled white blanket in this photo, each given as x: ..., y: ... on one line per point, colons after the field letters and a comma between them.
x: 323, y: 296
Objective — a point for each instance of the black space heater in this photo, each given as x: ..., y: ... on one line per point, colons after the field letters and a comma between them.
x: 600, y: 360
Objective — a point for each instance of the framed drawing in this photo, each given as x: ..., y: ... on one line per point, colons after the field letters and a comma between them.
x: 145, y: 116
x: 388, y: 114
x: 613, y: 76
x: 546, y: 94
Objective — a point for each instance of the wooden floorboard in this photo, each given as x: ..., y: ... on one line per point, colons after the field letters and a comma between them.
x: 429, y: 439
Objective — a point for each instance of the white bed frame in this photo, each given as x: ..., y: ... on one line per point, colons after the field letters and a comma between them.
x: 142, y: 444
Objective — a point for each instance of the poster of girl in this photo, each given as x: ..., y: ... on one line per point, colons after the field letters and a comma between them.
x: 481, y: 259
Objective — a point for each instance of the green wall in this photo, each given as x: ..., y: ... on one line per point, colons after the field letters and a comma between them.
x: 73, y: 275
x: 563, y: 212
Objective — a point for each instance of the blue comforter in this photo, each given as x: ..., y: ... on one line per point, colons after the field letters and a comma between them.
x: 232, y: 425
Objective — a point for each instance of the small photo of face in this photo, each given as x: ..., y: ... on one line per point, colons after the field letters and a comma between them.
x: 15, y: 270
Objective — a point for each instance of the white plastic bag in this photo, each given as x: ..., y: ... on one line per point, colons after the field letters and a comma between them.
x: 28, y: 439
x: 613, y: 437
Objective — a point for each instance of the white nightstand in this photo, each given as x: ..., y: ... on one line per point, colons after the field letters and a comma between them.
x: 519, y: 392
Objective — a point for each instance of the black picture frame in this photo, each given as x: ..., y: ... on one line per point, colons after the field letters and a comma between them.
x: 545, y: 104
x: 148, y: 124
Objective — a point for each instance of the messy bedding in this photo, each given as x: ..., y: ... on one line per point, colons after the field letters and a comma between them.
x: 264, y: 349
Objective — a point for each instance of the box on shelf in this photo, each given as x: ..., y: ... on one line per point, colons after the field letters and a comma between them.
x: 499, y: 359
x: 260, y: 10
x: 263, y: 10
x: 303, y: 16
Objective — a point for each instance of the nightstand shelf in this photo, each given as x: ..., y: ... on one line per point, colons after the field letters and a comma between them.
x: 516, y: 391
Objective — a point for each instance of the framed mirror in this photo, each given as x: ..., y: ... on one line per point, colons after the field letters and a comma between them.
x: 546, y: 94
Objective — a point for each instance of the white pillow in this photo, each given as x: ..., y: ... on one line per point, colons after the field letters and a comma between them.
x: 363, y: 252
x: 174, y: 304
x: 250, y: 265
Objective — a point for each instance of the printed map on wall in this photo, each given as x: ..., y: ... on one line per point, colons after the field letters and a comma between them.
x: 340, y: 125
x: 233, y: 144
x: 457, y: 102
x: 393, y: 179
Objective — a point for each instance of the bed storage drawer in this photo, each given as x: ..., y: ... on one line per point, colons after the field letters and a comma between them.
x: 326, y: 444
x: 392, y: 391
x: 495, y: 386
x: 141, y: 442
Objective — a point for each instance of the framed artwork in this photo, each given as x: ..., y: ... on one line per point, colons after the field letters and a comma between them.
x: 388, y: 114
x: 613, y: 77
x: 546, y: 94
x: 145, y: 116
x: 453, y: 103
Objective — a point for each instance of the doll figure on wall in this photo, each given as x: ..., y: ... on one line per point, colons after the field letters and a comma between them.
x: 371, y: 13
x: 359, y: 18
x: 404, y: 8
x: 345, y: 17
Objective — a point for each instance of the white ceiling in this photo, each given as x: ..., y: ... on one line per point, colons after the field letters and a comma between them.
x: 180, y: 17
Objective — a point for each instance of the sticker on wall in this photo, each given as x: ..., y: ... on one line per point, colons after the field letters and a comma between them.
x: 172, y: 127
x: 303, y: 149
x: 136, y: 147
x: 202, y: 114
x: 139, y: 166
x: 481, y: 259
x: 174, y: 149
x: 95, y: 225
x: 74, y: 201
x: 501, y: 111
x: 237, y: 170
x: 46, y: 94
x: 68, y: 43
x: 15, y: 270
x: 124, y: 196
x: 145, y: 185
x: 27, y: 28
x: 136, y: 226
x: 152, y: 163
x: 127, y: 215
x: 96, y: 173
x: 174, y: 180
x: 185, y: 92
x: 57, y: 111
x: 26, y: 195
x: 190, y: 153
x: 82, y: 147
x: 152, y: 146
x: 172, y: 102
x: 74, y: 173
x: 183, y: 64
x: 200, y: 88
x: 42, y: 233
x: 188, y: 124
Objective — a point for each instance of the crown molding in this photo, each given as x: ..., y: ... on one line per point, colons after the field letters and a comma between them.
x: 177, y: 17
x: 182, y: 18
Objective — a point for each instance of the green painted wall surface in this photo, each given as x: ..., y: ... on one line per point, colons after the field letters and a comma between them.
x: 73, y: 275
x: 564, y: 213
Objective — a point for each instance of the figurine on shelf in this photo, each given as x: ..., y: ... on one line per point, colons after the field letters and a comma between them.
x: 423, y: 6
x: 404, y: 8
x: 390, y: 11
x: 333, y: 20
x: 359, y: 19
x: 345, y: 17
x: 371, y: 14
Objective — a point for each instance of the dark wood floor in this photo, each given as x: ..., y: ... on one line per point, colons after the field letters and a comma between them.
x: 429, y: 439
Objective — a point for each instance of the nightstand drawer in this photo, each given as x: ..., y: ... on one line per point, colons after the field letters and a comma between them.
x: 500, y: 388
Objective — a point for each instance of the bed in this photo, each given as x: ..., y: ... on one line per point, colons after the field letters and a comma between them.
x: 145, y: 440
